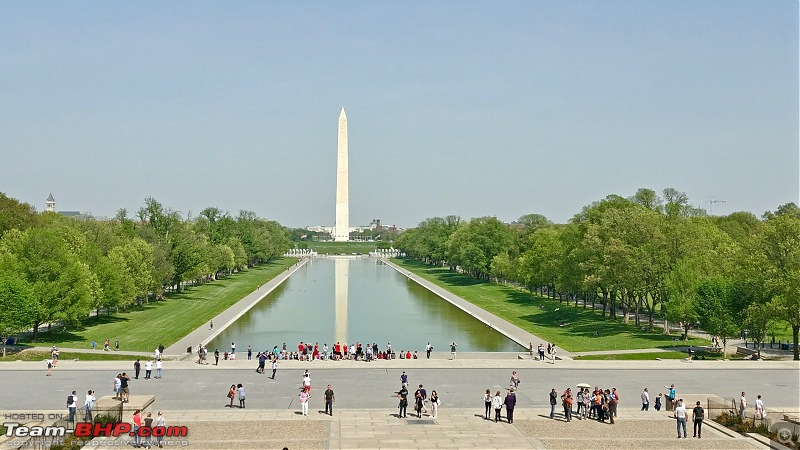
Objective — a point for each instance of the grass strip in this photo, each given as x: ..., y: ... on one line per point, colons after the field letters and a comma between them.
x: 572, y: 328
x: 35, y: 355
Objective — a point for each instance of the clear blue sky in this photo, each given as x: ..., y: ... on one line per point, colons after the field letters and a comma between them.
x: 454, y: 107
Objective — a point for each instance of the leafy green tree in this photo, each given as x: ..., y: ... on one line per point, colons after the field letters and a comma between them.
x: 474, y: 244
x: 17, y: 307
x: 15, y: 214
x: 758, y: 319
x: 715, y: 308
x: 62, y: 286
x: 775, y: 255
x: 682, y: 284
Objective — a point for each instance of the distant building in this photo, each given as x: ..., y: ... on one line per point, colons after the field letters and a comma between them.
x: 50, y: 204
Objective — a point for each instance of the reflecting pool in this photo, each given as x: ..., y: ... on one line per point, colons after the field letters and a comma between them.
x: 358, y: 300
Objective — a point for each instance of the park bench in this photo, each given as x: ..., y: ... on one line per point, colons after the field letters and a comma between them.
x: 746, y: 352
x: 702, y: 352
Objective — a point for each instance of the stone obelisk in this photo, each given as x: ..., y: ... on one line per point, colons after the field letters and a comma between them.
x: 341, y: 230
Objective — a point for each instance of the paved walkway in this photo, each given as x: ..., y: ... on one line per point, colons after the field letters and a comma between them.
x: 503, y: 327
x: 453, y: 428
x: 226, y: 318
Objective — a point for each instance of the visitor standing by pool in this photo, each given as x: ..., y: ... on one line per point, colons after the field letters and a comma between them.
x: 304, y: 396
x: 497, y: 403
x: 241, y: 395
x: 402, y: 394
x: 453, y: 346
x: 487, y: 404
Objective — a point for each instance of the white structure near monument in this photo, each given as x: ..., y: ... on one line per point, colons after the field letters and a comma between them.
x: 341, y: 229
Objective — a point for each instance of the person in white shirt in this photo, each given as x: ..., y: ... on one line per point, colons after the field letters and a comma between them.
x: 158, y: 368
x: 645, y: 400
x: 497, y: 404
x: 88, y: 405
x: 680, y: 415
x: 759, y: 408
x: 743, y: 406
x: 148, y: 368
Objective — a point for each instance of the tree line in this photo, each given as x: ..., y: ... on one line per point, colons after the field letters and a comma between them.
x: 646, y: 256
x: 59, y: 269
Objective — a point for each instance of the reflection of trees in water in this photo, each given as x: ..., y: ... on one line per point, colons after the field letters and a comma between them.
x: 480, y: 336
x: 383, y: 306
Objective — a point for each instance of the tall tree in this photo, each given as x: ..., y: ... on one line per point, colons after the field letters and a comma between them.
x: 775, y: 255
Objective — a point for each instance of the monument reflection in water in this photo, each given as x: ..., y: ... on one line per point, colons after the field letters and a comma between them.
x: 358, y: 300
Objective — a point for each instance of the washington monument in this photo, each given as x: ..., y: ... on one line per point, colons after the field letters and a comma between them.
x: 341, y: 230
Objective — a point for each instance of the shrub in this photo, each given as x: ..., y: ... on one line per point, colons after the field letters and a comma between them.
x: 105, y: 419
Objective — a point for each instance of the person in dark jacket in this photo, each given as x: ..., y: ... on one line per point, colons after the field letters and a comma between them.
x: 511, y: 401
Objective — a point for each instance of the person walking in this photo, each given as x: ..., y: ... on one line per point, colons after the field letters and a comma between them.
x: 424, y: 394
x: 645, y: 400
x: 274, y: 367
x: 231, y: 395
x: 72, y: 407
x: 680, y: 415
x: 304, y: 396
x: 160, y: 423
x: 487, y: 404
x: 510, y: 402
x: 404, y: 379
x: 514, y: 380
x: 241, y: 393
x: 553, y: 401
x: 116, y: 345
x: 530, y: 349
x: 216, y: 357
x: 698, y: 414
x: 148, y: 369
x: 136, y: 420
x: 435, y: 402
x: 329, y: 399
x: 658, y: 402
x: 428, y: 349
x: 742, y: 406
x: 137, y: 366
x: 553, y: 353
x: 402, y: 394
x: 418, y: 401
x: 497, y: 404
x: 88, y: 405
x: 453, y: 346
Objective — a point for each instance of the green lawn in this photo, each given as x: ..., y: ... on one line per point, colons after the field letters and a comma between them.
x: 543, y: 317
x: 34, y: 355
x: 633, y: 356
x: 346, y: 248
x: 165, y: 322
